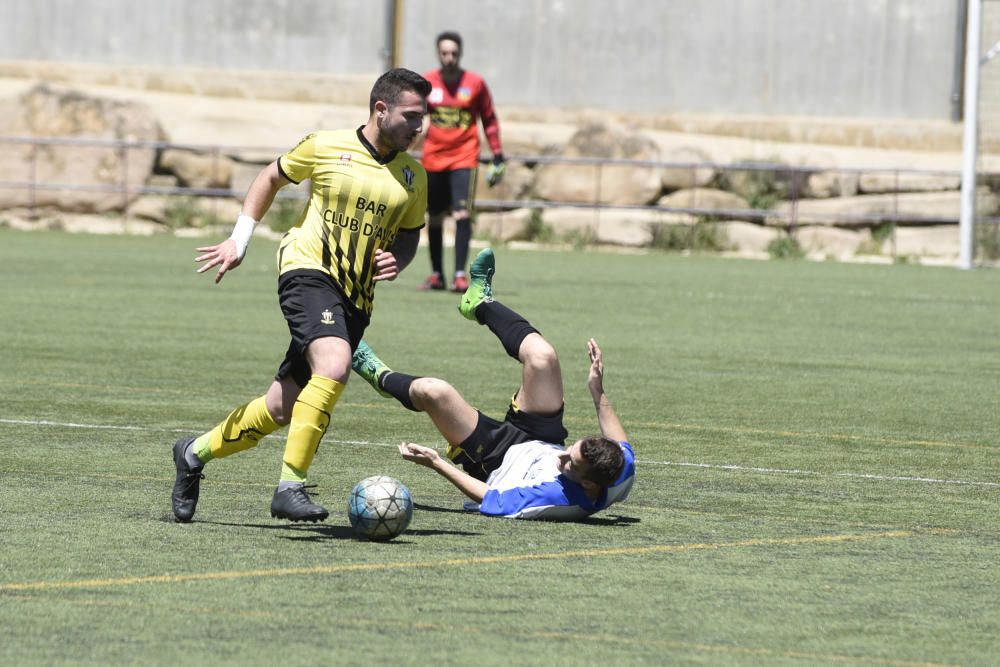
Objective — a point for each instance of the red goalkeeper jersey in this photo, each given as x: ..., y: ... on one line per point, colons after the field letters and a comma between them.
x: 452, y: 140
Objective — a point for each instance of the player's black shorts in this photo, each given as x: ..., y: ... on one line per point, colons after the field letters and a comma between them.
x: 314, y: 307
x: 450, y: 190
x: 483, y: 451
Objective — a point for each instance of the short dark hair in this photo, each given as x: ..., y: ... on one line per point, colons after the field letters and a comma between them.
x: 452, y: 35
x: 389, y: 86
x: 605, y: 458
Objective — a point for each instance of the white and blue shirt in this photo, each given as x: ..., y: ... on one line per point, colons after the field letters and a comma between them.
x: 528, y: 485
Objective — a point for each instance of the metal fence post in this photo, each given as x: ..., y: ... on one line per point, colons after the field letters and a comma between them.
x: 895, y: 213
x: 32, y: 201
x: 123, y: 156
x: 597, y: 202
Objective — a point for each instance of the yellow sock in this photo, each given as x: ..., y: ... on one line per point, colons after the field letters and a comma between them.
x: 242, y: 429
x: 310, y: 418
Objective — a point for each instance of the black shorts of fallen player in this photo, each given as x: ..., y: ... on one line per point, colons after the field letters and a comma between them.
x: 483, y: 451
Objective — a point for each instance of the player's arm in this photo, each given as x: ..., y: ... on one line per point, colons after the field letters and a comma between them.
x: 388, y: 265
x: 430, y: 458
x: 611, y: 426
x: 230, y: 253
x: 491, y: 128
x: 488, y: 117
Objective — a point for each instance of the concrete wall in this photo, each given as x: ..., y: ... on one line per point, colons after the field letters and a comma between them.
x: 855, y: 58
x: 989, y: 75
x: 869, y: 58
x: 339, y: 36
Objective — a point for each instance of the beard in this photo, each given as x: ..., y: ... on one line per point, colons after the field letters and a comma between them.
x: 395, y: 138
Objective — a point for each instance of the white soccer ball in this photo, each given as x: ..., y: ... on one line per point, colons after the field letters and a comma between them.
x: 380, y: 508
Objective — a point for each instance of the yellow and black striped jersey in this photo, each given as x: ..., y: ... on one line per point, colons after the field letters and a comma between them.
x: 357, y: 205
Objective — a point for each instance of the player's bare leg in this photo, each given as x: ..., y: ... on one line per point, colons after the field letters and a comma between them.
x: 454, y: 418
x: 451, y: 414
x: 541, y: 389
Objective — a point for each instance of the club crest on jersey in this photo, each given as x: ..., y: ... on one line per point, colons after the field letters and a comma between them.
x: 408, y: 176
x: 345, y: 157
x: 464, y: 93
x: 327, y: 317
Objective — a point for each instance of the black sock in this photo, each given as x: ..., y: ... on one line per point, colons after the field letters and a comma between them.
x: 398, y: 384
x: 434, y: 243
x: 463, y: 232
x: 507, y: 325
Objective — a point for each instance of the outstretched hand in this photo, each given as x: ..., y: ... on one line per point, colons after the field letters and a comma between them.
x: 424, y: 456
x: 224, y: 255
x: 595, y: 379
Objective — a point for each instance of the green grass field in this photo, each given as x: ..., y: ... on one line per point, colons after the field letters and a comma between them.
x: 818, y: 477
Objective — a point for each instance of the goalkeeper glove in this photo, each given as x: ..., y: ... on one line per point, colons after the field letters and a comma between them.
x: 496, y: 170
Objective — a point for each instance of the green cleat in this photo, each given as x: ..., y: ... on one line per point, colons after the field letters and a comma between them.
x: 480, y: 284
x: 370, y: 367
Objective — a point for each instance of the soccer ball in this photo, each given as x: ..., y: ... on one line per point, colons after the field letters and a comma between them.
x: 380, y: 508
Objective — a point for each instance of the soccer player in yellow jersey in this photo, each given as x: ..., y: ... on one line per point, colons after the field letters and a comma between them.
x: 360, y: 226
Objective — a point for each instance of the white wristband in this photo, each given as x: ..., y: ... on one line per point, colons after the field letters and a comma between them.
x: 242, y: 233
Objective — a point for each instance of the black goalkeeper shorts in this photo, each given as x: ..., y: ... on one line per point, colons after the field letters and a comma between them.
x: 450, y: 190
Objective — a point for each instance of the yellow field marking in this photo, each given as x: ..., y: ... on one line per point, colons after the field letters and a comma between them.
x: 384, y: 624
x: 457, y: 562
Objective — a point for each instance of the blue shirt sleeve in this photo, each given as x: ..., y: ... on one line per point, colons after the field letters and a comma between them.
x: 557, y: 492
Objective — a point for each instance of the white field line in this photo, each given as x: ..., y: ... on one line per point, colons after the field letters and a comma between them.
x: 813, y: 473
x: 679, y: 464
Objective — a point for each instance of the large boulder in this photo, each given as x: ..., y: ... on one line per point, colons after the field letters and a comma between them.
x: 99, y: 171
x: 692, y: 169
x: 197, y: 170
x: 516, y: 184
x: 628, y: 227
x: 824, y: 184
x: 940, y: 241
x: 748, y: 238
x: 886, y: 181
x: 608, y: 184
x: 705, y: 199
x: 831, y: 242
x: 868, y: 210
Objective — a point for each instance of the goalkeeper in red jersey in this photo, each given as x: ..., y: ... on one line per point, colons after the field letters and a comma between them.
x: 451, y: 154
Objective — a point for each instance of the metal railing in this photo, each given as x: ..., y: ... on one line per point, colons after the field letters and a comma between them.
x: 793, y: 180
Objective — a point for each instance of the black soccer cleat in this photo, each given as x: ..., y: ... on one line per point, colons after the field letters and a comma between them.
x: 187, y: 484
x: 293, y: 504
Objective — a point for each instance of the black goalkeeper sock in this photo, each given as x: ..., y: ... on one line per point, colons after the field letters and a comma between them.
x: 463, y: 233
x: 398, y: 384
x: 435, y: 236
x: 505, y: 324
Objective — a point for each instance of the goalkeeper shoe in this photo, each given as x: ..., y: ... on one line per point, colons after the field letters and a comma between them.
x: 433, y: 282
x: 480, y: 284
x: 460, y: 284
x: 293, y: 504
x: 370, y: 367
x: 187, y: 484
